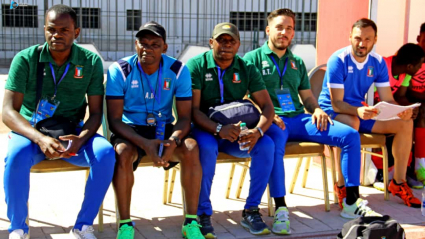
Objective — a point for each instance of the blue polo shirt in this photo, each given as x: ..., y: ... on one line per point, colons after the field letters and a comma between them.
x: 344, y: 72
x: 125, y: 82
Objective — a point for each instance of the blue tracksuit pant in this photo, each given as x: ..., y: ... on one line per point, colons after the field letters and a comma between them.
x: 97, y: 153
x: 300, y: 128
x: 263, y: 157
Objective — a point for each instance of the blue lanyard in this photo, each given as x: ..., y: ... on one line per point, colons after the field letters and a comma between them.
x: 158, y: 85
x: 281, y: 74
x: 220, y: 81
x: 54, y: 76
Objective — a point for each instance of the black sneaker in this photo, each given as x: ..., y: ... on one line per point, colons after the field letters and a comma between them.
x: 251, y: 219
x: 206, y: 227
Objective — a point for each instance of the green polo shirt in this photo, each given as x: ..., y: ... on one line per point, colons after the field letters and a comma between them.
x: 85, y: 76
x: 239, y: 79
x: 295, y: 78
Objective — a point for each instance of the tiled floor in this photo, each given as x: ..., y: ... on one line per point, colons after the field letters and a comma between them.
x: 55, y: 199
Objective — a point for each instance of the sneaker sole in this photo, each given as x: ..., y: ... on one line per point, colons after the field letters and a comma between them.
x: 282, y: 232
x: 210, y: 236
x: 348, y: 216
x: 265, y: 231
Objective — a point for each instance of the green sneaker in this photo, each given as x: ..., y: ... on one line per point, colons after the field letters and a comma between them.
x: 281, y: 222
x: 126, y: 232
x: 192, y: 231
x: 420, y: 174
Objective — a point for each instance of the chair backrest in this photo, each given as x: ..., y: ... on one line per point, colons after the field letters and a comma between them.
x: 316, y: 76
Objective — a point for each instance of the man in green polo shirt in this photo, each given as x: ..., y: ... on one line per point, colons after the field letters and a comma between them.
x: 285, y: 76
x: 70, y: 73
x: 220, y: 76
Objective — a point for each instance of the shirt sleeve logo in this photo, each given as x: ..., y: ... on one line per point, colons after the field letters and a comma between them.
x: 78, y: 72
x: 370, y: 70
x: 293, y: 65
x: 236, y: 78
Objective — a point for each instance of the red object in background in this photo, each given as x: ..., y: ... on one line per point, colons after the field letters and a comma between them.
x: 378, y: 161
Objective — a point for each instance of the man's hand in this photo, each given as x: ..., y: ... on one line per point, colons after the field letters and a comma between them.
x: 169, y: 147
x: 75, y: 145
x: 366, y: 112
x: 50, y: 147
x: 230, y: 132
x: 406, y: 115
x: 321, y: 119
x: 250, y: 139
x: 415, y: 113
x: 279, y: 122
x: 151, y: 148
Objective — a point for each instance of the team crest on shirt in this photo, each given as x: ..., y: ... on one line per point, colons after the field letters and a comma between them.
x: 78, y: 72
x: 370, y: 71
x: 167, y: 82
x: 236, y: 78
x: 293, y: 65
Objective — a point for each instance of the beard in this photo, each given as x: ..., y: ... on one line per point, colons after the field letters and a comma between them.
x: 357, y: 52
x: 280, y: 47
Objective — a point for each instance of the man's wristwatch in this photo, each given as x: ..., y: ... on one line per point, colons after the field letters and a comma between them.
x: 260, y: 131
x: 217, y: 130
x: 177, y: 140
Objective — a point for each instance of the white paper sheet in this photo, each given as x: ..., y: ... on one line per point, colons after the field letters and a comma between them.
x: 387, y: 111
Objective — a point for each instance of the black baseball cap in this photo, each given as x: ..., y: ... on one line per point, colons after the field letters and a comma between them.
x: 152, y: 27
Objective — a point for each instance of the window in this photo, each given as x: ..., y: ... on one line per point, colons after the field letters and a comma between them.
x: 134, y: 20
x: 22, y: 16
x: 249, y: 21
x: 310, y: 21
x: 90, y: 17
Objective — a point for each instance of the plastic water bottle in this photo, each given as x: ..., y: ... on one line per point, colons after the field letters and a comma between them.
x: 244, y: 131
x: 423, y: 202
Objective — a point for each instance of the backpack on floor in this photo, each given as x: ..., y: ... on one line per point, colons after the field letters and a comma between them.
x: 372, y: 228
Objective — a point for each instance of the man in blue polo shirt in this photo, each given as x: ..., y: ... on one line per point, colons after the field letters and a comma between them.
x: 139, y: 93
x: 356, y: 68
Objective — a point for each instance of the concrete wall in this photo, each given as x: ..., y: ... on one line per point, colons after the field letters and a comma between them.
x: 335, y: 18
x: 398, y: 23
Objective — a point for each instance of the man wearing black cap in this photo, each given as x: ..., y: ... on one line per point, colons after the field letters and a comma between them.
x: 221, y: 76
x: 139, y: 94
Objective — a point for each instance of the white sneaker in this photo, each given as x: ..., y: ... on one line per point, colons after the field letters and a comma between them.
x: 358, y: 209
x: 281, y: 223
x: 85, y: 233
x: 18, y: 234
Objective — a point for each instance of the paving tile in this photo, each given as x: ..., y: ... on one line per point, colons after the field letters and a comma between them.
x: 55, y: 199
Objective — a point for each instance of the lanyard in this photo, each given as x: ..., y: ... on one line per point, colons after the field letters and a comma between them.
x: 281, y: 74
x: 220, y: 81
x: 54, y: 77
x: 158, y: 85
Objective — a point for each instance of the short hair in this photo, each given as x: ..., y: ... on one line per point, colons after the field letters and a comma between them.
x: 61, y: 9
x: 364, y: 22
x: 422, y: 28
x: 409, y: 54
x: 281, y: 12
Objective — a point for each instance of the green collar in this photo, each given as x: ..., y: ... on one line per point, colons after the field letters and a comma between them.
x: 46, y: 57
x: 211, y: 61
x: 266, y: 50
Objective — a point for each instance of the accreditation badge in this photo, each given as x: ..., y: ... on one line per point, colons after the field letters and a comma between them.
x: 285, y: 100
x: 46, y: 107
